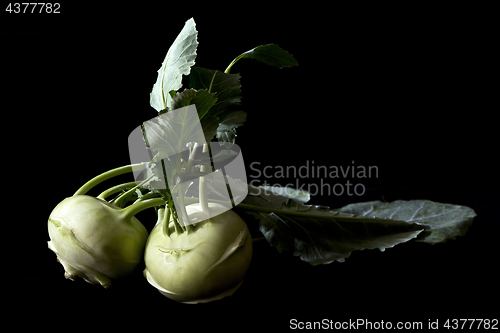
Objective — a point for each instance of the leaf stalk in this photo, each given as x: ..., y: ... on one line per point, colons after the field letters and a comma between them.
x: 203, y: 186
x: 138, y: 207
x: 107, y: 175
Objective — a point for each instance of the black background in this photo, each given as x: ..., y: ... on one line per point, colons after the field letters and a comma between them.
x: 406, y: 89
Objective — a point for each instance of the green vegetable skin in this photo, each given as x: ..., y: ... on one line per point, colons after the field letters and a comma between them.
x: 94, y: 241
x: 204, y: 265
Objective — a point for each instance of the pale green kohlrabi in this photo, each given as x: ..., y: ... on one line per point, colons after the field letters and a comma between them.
x: 95, y: 240
x: 204, y: 265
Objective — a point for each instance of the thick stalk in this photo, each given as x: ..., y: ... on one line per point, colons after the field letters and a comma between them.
x: 148, y: 195
x: 228, y: 69
x: 107, y: 175
x: 121, y: 199
x: 191, y: 157
x: 116, y: 189
x: 177, y: 226
x: 138, y: 207
x: 166, y: 222
x: 203, y: 187
x: 180, y: 200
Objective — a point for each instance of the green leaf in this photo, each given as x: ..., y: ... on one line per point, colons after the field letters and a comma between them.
x: 227, y: 89
x: 209, y: 125
x: 203, y: 100
x: 322, y: 240
x: 442, y: 221
x: 270, y: 54
x: 226, y: 131
x: 233, y: 120
x: 180, y: 57
x: 320, y: 235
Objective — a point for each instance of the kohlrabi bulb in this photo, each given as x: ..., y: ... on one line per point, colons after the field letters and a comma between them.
x: 205, y: 264
x: 94, y: 241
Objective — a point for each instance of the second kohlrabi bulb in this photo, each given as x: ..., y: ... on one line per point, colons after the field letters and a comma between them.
x: 202, y: 265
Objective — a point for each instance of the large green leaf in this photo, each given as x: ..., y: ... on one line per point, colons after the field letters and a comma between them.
x: 227, y: 89
x: 180, y: 57
x: 322, y: 239
x: 321, y: 235
x: 202, y: 99
x: 442, y: 221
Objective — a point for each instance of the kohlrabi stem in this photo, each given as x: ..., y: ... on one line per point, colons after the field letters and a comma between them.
x: 107, y: 175
x: 120, y: 199
x: 135, y: 208
x: 177, y: 226
x: 191, y: 157
x: 228, y: 69
x: 203, y: 187
x: 166, y: 222
x: 148, y: 195
x: 180, y: 197
x: 116, y: 189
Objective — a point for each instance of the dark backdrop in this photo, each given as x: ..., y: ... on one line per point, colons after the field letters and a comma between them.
x: 408, y: 90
